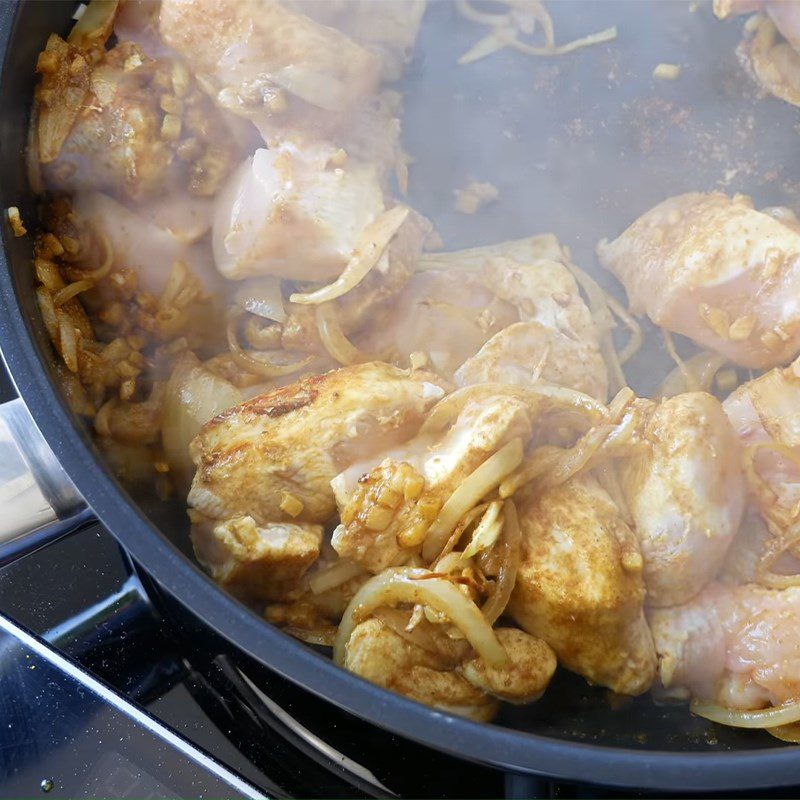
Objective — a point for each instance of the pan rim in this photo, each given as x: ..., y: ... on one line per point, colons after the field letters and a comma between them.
x: 496, y: 746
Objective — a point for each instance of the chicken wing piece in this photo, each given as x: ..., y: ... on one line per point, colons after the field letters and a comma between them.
x: 256, y: 562
x: 580, y: 586
x: 264, y: 61
x: 294, y: 214
x: 765, y: 412
x: 736, y: 646
x: 291, y: 442
x: 716, y: 270
x: 387, y: 510
x: 686, y: 494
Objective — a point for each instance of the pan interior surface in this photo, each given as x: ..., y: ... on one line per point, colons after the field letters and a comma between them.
x: 579, y: 146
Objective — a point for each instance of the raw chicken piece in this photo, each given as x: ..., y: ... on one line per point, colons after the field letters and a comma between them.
x: 256, y: 562
x: 380, y: 655
x: 386, y: 510
x: 461, y: 300
x: 140, y: 244
x: 715, y: 269
x: 266, y: 62
x: 527, y: 349
x: 766, y: 411
x: 686, y: 494
x: 737, y: 646
x: 293, y: 214
x: 294, y: 440
x: 580, y: 586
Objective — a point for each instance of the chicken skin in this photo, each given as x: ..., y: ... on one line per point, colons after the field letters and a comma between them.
x: 580, y: 586
x: 686, y: 494
x: 269, y: 63
x: 716, y: 270
x: 737, y: 646
x: 291, y: 442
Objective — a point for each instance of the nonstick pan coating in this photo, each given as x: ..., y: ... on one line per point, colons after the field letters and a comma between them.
x: 578, y: 146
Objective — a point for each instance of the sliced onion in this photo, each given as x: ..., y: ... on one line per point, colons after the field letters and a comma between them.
x: 510, y: 555
x: 322, y: 637
x: 471, y: 490
x: 262, y: 297
x: 339, y: 347
x: 786, y: 733
x: 486, y: 531
x: 549, y: 397
x: 255, y: 362
x: 368, y: 251
x: 193, y: 397
x: 335, y: 575
x: 693, y: 375
x: 785, y: 714
x: 404, y: 585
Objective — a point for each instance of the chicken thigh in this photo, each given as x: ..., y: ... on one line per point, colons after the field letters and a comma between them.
x: 580, y: 587
x: 716, y: 270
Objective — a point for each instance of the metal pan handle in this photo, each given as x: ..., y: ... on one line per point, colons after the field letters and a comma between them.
x: 38, y: 502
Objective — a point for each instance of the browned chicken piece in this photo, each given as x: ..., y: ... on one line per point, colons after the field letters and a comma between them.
x: 580, y: 586
x: 387, y: 510
x: 271, y: 64
x: 686, y: 493
x: 255, y: 562
x: 380, y: 655
x: 716, y: 270
x: 531, y: 666
x: 281, y: 449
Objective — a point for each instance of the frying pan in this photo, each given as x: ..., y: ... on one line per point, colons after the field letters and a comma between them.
x: 578, y: 146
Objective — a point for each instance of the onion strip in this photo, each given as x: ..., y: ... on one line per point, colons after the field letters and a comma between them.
x: 333, y: 339
x: 764, y: 718
x: 334, y: 575
x: 257, y: 366
x: 471, y: 490
x: 509, y: 544
x: 404, y: 585
x: 368, y: 251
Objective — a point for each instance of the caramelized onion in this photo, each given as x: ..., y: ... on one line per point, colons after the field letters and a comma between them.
x: 334, y: 575
x: 785, y: 714
x: 339, y: 347
x: 407, y: 585
x: 509, y: 544
x: 252, y: 362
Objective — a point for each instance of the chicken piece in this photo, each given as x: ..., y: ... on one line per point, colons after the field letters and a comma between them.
x: 716, y: 270
x: 296, y: 439
x: 460, y: 300
x: 532, y: 664
x: 736, y: 646
x: 527, y: 350
x: 141, y: 244
x: 580, y: 586
x: 295, y: 215
x: 255, y: 562
x: 686, y: 494
x: 785, y: 14
x: 98, y: 126
x: 264, y: 61
x: 380, y: 655
x: 765, y: 412
x: 388, y: 28
x: 386, y: 511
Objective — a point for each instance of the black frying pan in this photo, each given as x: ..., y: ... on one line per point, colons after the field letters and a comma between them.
x: 578, y: 146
